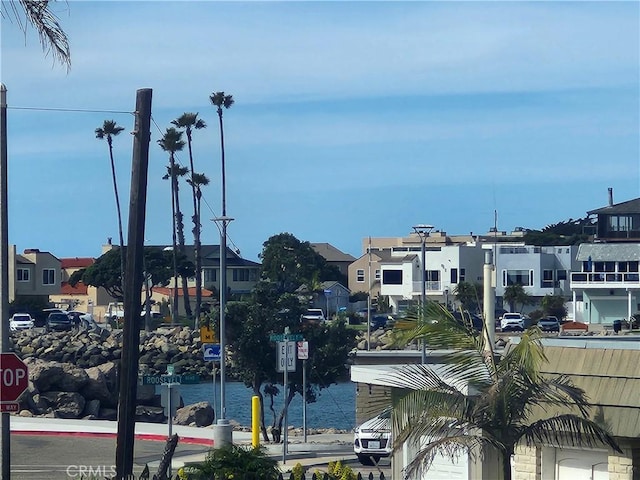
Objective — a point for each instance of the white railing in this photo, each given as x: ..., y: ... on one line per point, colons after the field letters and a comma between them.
x: 601, y: 278
x: 430, y: 286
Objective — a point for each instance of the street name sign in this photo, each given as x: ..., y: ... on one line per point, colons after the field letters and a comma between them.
x: 14, y: 377
x: 292, y: 337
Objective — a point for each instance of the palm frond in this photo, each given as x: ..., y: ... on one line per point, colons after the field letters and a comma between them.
x: 53, y: 39
x: 569, y: 429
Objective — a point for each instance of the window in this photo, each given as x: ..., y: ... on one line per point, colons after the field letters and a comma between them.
x: 547, y: 275
x: 22, y: 274
x: 517, y: 277
x: 48, y: 276
x: 360, y: 275
x: 561, y: 274
x: 378, y: 274
x: 244, y: 275
x: 210, y: 275
x: 633, y: 266
x: 454, y: 275
x: 392, y: 277
x: 463, y: 274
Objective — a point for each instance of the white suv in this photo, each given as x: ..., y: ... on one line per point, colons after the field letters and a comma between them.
x: 313, y: 315
x: 373, y: 439
x: 512, y: 321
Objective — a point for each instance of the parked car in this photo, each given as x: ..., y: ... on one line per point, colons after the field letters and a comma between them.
x: 362, y: 313
x: 20, y: 321
x: 379, y: 320
x: 372, y: 439
x: 59, y: 321
x: 313, y: 315
x: 512, y: 321
x: 549, y: 324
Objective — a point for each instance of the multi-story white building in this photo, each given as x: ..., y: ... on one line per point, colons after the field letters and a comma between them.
x: 448, y: 261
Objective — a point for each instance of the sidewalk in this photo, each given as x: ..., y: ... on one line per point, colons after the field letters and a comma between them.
x: 317, y: 451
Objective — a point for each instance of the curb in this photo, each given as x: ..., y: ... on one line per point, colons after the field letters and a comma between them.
x: 138, y: 436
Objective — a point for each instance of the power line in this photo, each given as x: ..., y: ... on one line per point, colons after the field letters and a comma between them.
x: 74, y: 110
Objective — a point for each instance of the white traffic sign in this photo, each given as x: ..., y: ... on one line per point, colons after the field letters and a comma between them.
x: 290, y: 356
x: 303, y: 350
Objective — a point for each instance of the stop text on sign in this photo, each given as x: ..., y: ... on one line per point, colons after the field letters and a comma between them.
x: 11, y: 378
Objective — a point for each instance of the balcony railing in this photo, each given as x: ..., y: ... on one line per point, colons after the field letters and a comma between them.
x: 430, y: 286
x: 601, y: 278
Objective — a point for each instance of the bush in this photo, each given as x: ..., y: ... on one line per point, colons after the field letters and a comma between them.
x: 234, y: 462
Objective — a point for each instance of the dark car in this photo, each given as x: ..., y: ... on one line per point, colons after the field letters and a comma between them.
x: 549, y: 324
x: 379, y: 321
x: 59, y: 322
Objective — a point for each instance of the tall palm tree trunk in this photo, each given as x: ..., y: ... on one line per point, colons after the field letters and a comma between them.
x: 174, y: 312
x: 181, y: 241
x: 196, y: 236
x: 224, y: 189
x: 115, y: 190
x: 196, y: 241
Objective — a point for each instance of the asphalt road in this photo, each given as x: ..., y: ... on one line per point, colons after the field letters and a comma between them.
x: 61, y: 457
x: 66, y: 457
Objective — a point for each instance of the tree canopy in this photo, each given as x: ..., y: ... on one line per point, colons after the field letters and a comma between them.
x: 268, y: 311
x: 568, y: 232
x: 106, y: 272
x: 290, y: 263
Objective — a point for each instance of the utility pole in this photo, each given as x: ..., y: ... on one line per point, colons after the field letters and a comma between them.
x: 5, y: 430
x: 423, y: 232
x: 133, y: 287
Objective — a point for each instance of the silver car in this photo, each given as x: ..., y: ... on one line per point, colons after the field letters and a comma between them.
x: 20, y: 321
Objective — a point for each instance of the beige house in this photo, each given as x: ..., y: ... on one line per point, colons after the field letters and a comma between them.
x: 33, y: 273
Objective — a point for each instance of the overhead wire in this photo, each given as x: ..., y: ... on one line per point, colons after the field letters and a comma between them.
x: 87, y: 110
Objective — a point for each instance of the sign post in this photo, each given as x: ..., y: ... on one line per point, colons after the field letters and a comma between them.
x: 303, y: 354
x: 286, y: 362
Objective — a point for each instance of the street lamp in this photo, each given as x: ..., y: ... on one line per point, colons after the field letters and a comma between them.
x: 423, y: 232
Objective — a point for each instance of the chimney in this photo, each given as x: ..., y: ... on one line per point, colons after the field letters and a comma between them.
x: 610, y: 196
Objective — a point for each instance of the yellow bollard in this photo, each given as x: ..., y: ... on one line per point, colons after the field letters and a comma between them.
x: 255, y: 421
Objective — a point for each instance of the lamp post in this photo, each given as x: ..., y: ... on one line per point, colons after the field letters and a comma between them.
x: 423, y: 232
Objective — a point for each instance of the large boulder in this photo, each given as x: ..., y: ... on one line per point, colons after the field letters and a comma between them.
x: 63, y: 404
x: 96, y: 388
x: 201, y: 414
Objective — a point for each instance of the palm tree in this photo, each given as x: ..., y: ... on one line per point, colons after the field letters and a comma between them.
x: 508, y: 400
x: 172, y: 142
x: 515, y: 294
x: 52, y: 37
x: 197, y: 181
x: 219, y: 99
x: 189, y: 121
x: 109, y: 130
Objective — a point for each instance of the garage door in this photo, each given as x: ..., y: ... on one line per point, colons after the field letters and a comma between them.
x: 581, y: 465
x: 442, y: 468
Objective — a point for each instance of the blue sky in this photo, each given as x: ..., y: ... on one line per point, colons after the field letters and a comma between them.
x: 352, y: 119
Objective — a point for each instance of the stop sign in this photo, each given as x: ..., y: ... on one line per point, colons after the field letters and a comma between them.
x: 14, y: 377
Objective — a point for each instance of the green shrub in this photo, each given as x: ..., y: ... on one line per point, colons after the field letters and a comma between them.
x: 234, y: 462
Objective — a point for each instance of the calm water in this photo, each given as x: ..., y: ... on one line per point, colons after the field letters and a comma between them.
x: 334, y: 408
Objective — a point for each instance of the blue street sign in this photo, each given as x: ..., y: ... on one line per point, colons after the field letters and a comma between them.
x: 211, y: 352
